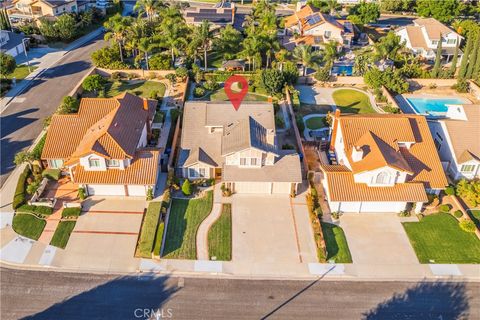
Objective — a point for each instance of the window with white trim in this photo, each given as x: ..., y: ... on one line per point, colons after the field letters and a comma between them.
x: 253, y: 161
x: 55, y: 163
x: 467, y: 168
x: 243, y: 161
x: 94, y: 163
x: 452, y: 41
x: 192, y: 173
x: 113, y: 163
x: 202, y: 172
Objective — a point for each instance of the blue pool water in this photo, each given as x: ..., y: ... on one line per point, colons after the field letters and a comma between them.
x: 342, y: 70
x: 433, y: 106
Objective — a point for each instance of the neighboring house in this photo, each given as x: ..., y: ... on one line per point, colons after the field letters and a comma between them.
x: 11, y: 43
x: 423, y: 37
x: 458, y: 142
x: 34, y: 9
x: 315, y: 28
x: 385, y: 163
x: 239, y: 147
x: 103, y: 146
x: 220, y: 15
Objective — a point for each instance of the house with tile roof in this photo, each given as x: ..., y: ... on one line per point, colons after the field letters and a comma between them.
x: 35, y: 9
x: 237, y: 146
x: 316, y: 28
x: 219, y: 15
x: 457, y: 141
x: 381, y: 169
x: 103, y: 147
x: 423, y: 36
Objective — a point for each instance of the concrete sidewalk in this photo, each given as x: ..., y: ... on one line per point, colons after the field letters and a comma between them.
x: 43, y: 64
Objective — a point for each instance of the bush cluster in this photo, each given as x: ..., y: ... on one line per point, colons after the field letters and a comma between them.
x: 19, y: 197
x: 445, y: 208
x: 467, y: 226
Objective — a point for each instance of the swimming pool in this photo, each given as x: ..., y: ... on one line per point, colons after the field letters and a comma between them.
x: 341, y: 70
x: 433, y: 106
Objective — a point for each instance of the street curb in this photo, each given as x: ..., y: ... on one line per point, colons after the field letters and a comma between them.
x: 81, y: 41
x: 227, y: 276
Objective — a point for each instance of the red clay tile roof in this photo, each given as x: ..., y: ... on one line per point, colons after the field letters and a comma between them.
x: 142, y: 171
x: 109, y: 127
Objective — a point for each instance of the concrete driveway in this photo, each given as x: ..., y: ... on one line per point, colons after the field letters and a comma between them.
x: 268, y: 237
x: 105, y: 235
x: 377, y: 239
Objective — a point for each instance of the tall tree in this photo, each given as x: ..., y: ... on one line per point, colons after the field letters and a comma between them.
x: 363, y: 13
x: 464, y: 65
x: 117, y: 27
x: 444, y: 11
x: 330, y: 52
x: 227, y: 43
x: 437, y: 68
x: 146, y: 45
x: 387, y: 47
x: 472, y: 59
x: 149, y: 7
x: 7, y: 64
x: 251, y: 50
x: 172, y: 31
x: 453, y: 66
x: 307, y: 57
x: 204, y: 37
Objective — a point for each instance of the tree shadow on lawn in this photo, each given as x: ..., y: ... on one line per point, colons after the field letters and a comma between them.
x: 350, y: 108
x: 330, y: 240
x: 113, y: 89
x: 425, y: 300
x: 176, y: 228
x: 127, y: 297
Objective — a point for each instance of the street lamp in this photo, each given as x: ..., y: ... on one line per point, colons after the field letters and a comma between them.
x: 26, y: 55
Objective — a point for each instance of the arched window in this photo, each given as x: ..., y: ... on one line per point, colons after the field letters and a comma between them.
x: 382, y: 178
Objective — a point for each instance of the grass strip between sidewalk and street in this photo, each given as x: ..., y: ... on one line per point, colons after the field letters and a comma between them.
x: 185, y: 217
x: 220, y: 235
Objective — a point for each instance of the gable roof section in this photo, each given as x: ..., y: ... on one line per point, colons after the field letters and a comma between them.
x: 465, y: 135
x: 246, y: 133
x: 422, y: 157
x: 416, y: 37
x: 108, y: 127
x: 198, y: 155
x: 377, y: 154
x: 433, y: 27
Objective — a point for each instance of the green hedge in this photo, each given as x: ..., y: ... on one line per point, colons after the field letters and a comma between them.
x: 71, y: 212
x: 295, y: 101
x: 19, y: 196
x: 36, y: 210
x: 52, y: 174
x: 62, y: 234
x: 37, y: 150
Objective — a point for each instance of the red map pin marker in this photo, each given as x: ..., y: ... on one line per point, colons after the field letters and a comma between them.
x: 236, y: 97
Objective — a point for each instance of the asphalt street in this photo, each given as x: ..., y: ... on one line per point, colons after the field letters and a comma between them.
x: 22, y: 121
x: 55, y: 295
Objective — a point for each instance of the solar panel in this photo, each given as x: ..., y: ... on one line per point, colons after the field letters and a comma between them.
x: 313, y: 19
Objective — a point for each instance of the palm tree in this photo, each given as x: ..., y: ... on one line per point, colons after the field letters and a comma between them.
x: 203, y: 36
x: 117, y: 27
x: 281, y: 57
x: 331, y: 51
x: 149, y: 7
x: 307, y: 57
x: 251, y: 49
x: 146, y: 45
x: 172, y: 31
x: 332, y: 6
x: 135, y: 33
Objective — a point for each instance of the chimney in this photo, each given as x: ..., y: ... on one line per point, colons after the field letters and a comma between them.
x: 145, y: 104
x: 357, y: 153
x: 233, y: 12
x: 336, y: 118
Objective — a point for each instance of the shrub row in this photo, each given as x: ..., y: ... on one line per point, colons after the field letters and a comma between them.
x: 315, y: 213
x: 19, y: 196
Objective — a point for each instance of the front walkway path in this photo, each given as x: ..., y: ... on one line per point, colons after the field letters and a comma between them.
x: 202, y: 233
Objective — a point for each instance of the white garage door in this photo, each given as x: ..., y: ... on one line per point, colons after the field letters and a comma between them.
x: 383, y: 206
x: 252, y: 187
x: 137, y: 191
x: 105, y: 190
x: 281, y: 187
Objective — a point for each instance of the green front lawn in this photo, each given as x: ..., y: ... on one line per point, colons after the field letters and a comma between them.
x: 28, y: 225
x: 148, y: 231
x: 220, y: 235
x: 140, y: 88
x: 21, y: 72
x: 220, y: 95
x: 439, y: 238
x: 315, y: 123
x: 183, y: 222
x: 475, y: 216
x: 337, y: 246
x: 352, y: 101
x: 62, y: 234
